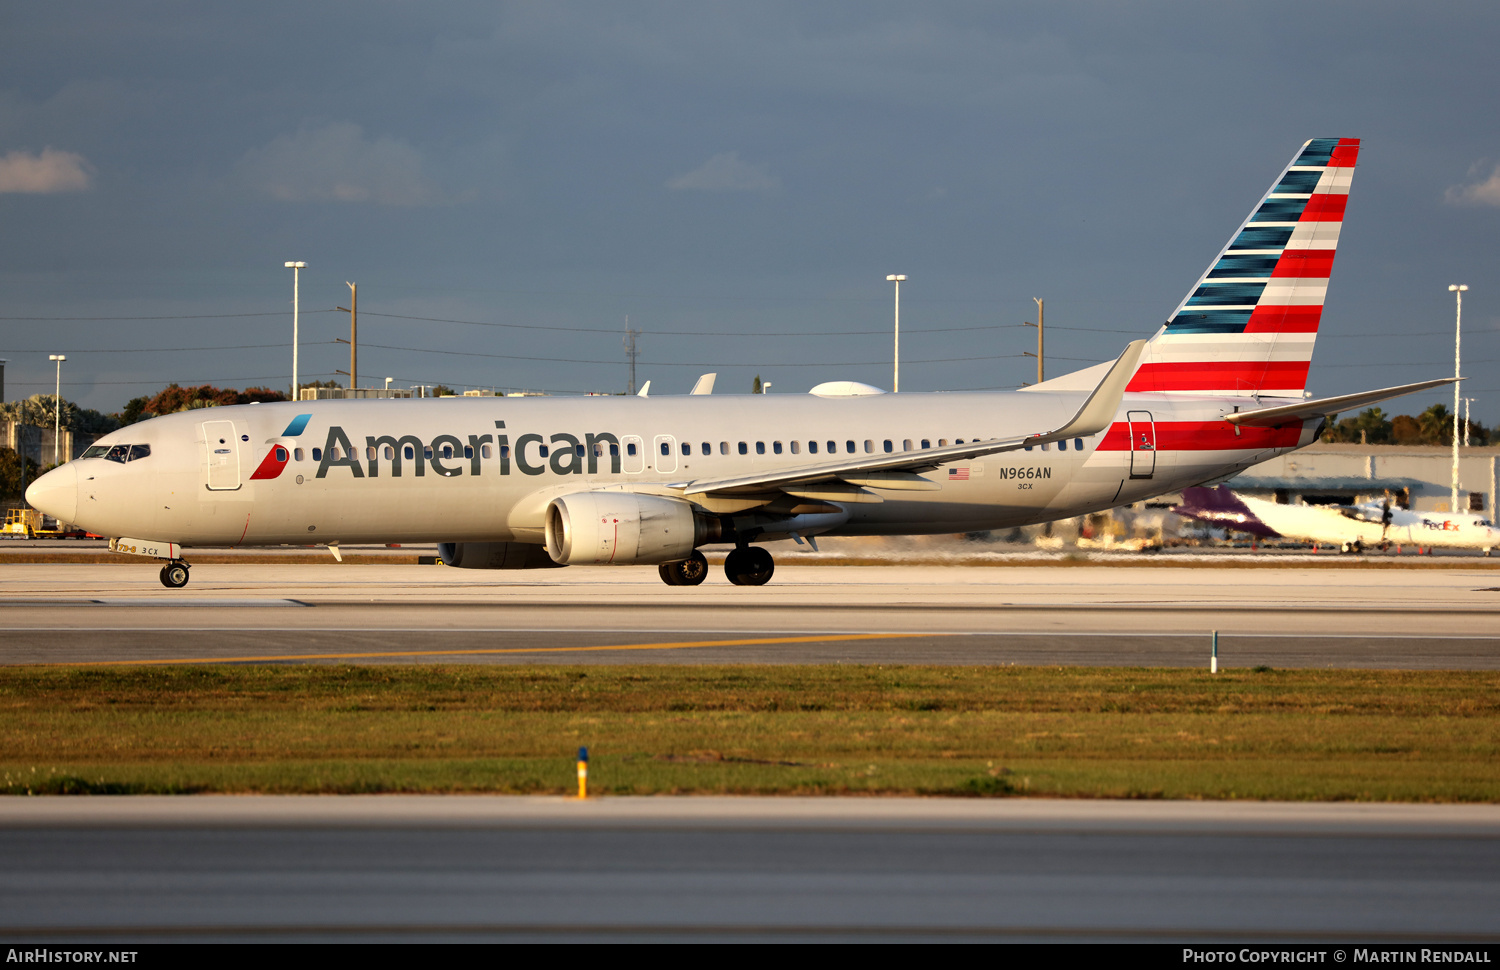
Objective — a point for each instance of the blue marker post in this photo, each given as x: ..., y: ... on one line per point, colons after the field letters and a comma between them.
x: 1213, y: 661
x: 583, y: 773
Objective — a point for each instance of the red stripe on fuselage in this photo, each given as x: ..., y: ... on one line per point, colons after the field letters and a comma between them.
x: 1215, y: 435
x: 1307, y: 264
x: 1325, y: 208
x: 1284, y: 319
x: 1232, y: 375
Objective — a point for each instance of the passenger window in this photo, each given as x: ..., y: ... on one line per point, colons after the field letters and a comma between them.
x: 906, y: 445
x: 317, y: 454
x: 485, y: 451
x: 776, y: 447
x: 723, y: 447
x: 869, y: 446
x: 687, y: 449
x: 1062, y: 445
x: 630, y: 449
x: 666, y: 449
x: 812, y: 447
x: 1077, y: 444
x: 926, y: 443
x: 427, y: 452
x: 744, y: 449
x: 796, y: 447
x: 707, y: 450
x: 888, y: 446
x: 580, y: 450
x: 958, y: 441
x: 468, y: 451
x: 1028, y: 447
x: 849, y: 446
x: 614, y: 450
x: 297, y: 454
x: 1046, y: 446
x: 141, y: 451
x: 833, y: 447
x: 504, y: 451
x: 281, y: 454
x: 542, y: 451
x: 407, y: 451
x: 447, y: 451
x: 942, y: 442
x: 760, y: 447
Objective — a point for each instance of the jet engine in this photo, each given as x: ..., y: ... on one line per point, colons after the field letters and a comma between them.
x: 621, y: 528
x: 495, y: 555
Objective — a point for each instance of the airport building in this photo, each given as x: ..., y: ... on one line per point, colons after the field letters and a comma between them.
x: 1418, y: 477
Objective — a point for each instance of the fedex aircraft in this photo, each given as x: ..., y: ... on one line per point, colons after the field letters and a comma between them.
x: 515, y: 483
x: 1350, y: 527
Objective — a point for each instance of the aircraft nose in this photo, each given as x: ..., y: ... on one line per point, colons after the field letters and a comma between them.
x: 56, y: 493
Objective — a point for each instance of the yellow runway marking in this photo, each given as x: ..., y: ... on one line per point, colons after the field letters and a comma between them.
x: 759, y: 641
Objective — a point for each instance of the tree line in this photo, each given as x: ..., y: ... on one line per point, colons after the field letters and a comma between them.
x: 1433, y: 426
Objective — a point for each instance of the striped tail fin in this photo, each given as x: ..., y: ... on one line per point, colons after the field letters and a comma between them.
x: 1248, y: 326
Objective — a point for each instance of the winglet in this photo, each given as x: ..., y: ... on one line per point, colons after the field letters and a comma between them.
x: 705, y: 384
x: 645, y: 390
x: 1098, y: 412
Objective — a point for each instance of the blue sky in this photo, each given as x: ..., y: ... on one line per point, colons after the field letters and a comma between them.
x: 736, y: 179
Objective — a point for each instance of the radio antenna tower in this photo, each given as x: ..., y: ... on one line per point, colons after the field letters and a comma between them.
x: 631, y: 350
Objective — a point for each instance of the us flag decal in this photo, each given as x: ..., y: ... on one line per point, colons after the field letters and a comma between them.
x: 958, y: 474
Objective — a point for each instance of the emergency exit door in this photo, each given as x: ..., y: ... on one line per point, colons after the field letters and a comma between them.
x: 1142, y: 444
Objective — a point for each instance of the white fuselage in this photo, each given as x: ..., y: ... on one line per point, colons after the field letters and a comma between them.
x: 211, y: 477
x: 1339, y: 525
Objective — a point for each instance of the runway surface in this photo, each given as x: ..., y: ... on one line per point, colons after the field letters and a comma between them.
x: 1129, y: 615
x: 412, y: 868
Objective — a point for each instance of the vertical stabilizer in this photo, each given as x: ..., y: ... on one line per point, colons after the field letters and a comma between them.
x: 1248, y: 326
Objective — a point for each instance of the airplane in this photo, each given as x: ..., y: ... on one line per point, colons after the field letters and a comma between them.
x: 1350, y: 527
x: 517, y: 483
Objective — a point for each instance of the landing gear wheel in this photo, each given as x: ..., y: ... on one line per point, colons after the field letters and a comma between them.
x: 750, y: 566
x: 174, y: 575
x: 687, y: 572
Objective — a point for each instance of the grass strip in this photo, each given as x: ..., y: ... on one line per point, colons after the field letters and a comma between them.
x: 828, y: 729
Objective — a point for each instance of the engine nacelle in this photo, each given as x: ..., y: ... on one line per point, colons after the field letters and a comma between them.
x: 621, y: 528
x: 495, y: 555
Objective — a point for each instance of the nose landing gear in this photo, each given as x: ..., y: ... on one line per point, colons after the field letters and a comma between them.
x: 174, y: 575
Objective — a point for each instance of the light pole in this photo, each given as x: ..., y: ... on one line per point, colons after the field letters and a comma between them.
x: 1040, y: 354
x: 296, y: 268
x: 896, y: 358
x: 1458, y: 290
x: 1468, y: 401
x: 57, y: 406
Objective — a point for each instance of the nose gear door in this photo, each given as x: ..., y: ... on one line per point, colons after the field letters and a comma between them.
x: 222, y: 451
x: 1142, y: 444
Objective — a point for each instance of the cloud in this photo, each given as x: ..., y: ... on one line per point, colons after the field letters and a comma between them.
x: 337, y: 163
x: 726, y: 173
x: 1478, y: 193
x: 51, y: 171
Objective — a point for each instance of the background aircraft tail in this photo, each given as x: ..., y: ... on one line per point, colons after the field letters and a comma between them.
x: 1248, y: 326
x: 1220, y: 506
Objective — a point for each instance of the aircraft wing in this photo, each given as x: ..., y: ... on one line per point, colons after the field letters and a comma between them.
x: 1096, y: 414
x: 1270, y: 417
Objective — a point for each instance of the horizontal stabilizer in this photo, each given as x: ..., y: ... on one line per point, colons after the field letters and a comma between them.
x: 1271, y: 417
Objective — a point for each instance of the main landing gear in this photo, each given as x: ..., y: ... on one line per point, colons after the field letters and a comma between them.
x: 174, y: 575
x: 688, y: 572
x: 749, y: 566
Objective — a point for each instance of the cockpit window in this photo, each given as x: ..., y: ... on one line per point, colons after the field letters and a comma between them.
x: 139, y: 451
x: 119, y: 453
x: 94, y: 451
